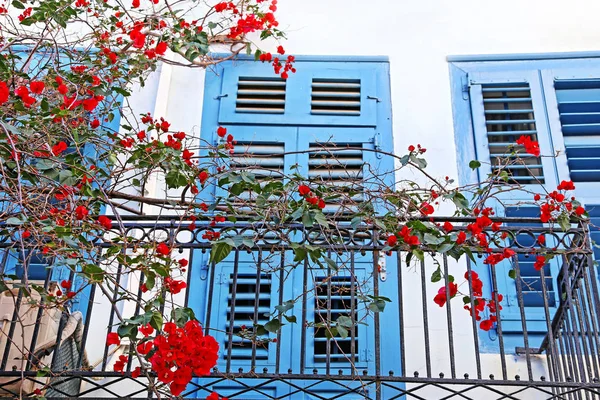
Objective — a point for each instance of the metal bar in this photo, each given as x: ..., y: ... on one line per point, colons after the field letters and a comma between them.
x: 233, y: 290
x: 136, y: 313
x: 425, y: 320
x: 256, y: 306
x: 281, y: 280
x: 189, y: 278
x: 449, y: 319
x: 474, y: 321
x: 377, y: 332
x: 304, y: 321
x: 86, y: 325
x: 328, y: 341
x: 523, y: 316
x: 499, y: 323
x: 211, y: 293
x: 401, y: 316
x: 352, y: 314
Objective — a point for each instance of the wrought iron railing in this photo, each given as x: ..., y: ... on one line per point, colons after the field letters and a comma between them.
x: 411, y: 348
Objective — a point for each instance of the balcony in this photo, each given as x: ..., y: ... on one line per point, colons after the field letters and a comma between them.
x: 394, y: 342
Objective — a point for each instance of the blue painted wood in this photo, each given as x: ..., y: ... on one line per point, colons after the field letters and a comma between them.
x: 298, y: 93
x: 495, y: 81
x: 564, y: 86
x: 295, y: 129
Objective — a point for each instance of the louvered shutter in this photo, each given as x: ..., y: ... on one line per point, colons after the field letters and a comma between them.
x: 336, y: 295
x: 324, y: 123
x: 505, y: 107
x: 579, y: 108
x: 531, y: 281
x: 327, y: 93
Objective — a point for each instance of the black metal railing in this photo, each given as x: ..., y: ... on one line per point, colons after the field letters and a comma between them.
x: 365, y: 322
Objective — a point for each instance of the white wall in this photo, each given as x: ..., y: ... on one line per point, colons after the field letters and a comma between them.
x: 417, y: 36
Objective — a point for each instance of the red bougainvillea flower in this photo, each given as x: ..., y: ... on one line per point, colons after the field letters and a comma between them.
x: 4, y: 92
x: 81, y: 212
x: 536, y: 197
x: 215, y: 396
x: 566, y: 185
x: 146, y: 330
x: 426, y: 209
x: 460, y: 239
x: 440, y: 297
x: 486, y: 324
x: 113, y: 338
x: 37, y: 86
x: 58, y: 148
x: 65, y: 284
x: 392, y: 240
x: 540, y: 261
x: 161, y: 48
x: 221, y: 131
x: 405, y: 234
x: 183, y: 262
x: 448, y: 226
x: 120, y: 363
x: 280, y: 50
x: 580, y: 211
x: 303, y: 190
x: 136, y: 372
x: 163, y: 249
x: 532, y: 147
x: 203, y: 176
x: 174, y: 286
x: 105, y: 222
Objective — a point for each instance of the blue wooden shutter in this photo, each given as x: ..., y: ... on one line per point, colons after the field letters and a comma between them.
x: 504, y: 107
x: 579, y: 108
x: 328, y: 108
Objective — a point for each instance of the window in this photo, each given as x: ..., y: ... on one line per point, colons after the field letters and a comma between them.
x: 319, y: 123
x: 555, y: 99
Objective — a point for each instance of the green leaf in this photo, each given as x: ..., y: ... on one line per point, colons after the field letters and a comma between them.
x: 345, y: 321
x: 460, y: 201
x: 330, y: 333
x: 286, y: 306
x: 321, y: 219
x: 297, y: 214
x: 466, y: 300
x: 431, y: 239
x: 419, y: 162
x: 219, y: 252
x: 273, y: 325
x: 14, y: 221
x: 419, y: 254
x: 291, y: 318
x: 260, y: 330
x: 150, y: 281
x: 332, y: 264
x: 377, y: 306
x: 156, y: 320
x: 512, y: 274
x: 181, y: 315
x: 300, y: 254
x: 445, y: 247
x: 18, y: 4
x: 307, y: 219
x: 474, y: 164
x: 563, y: 221
x: 404, y: 160
x: 127, y: 330
x: 436, y: 276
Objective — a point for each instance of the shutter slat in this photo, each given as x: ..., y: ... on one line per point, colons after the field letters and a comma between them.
x: 580, y: 129
x: 507, y: 100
